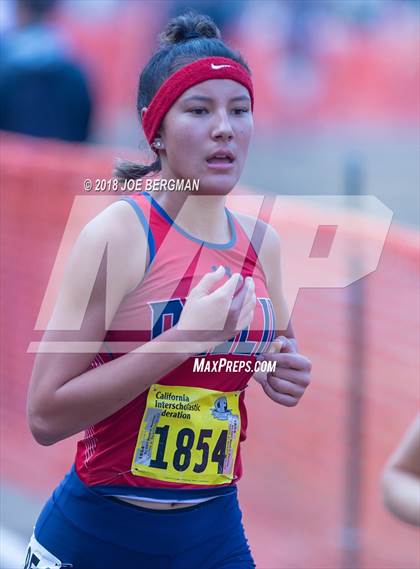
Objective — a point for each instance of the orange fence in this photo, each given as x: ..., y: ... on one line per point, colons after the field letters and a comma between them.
x: 293, y: 487
x: 367, y: 77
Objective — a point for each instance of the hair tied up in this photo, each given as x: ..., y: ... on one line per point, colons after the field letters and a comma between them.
x: 192, y: 35
x: 187, y: 26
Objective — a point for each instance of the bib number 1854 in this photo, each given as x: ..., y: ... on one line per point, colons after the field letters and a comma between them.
x: 188, y: 435
x: 181, y: 459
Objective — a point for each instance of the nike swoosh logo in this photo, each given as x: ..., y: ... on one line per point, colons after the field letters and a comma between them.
x: 213, y: 66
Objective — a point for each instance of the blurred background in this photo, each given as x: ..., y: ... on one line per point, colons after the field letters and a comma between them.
x: 337, y: 113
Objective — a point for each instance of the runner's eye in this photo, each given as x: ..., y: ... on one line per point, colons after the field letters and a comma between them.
x: 198, y: 111
x: 240, y: 111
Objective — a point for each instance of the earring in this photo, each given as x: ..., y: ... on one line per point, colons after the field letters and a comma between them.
x: 157, y: 144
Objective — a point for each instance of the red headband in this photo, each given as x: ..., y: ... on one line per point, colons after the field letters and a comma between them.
x: 189, y: 75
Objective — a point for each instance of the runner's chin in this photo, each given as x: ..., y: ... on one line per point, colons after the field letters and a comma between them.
x: 218, y: 182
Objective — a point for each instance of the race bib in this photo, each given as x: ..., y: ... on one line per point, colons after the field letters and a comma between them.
x: 188, y: 434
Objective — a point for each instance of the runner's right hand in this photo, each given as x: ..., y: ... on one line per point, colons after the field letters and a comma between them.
x: 214, y: 317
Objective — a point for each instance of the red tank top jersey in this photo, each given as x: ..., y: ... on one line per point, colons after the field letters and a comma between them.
x: 177, y: 261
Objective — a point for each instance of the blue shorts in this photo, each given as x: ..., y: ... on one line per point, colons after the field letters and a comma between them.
x: 86, y: 530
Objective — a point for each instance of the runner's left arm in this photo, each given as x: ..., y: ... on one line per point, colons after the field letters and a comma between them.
x: 287, y: 383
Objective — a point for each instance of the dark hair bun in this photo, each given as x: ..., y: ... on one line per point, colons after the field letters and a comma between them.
x: 189, y: 26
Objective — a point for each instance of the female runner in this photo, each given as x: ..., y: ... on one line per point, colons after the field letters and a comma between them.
x: 193, y: 303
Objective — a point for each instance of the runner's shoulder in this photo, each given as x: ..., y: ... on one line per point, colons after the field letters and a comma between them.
x: 271, y: 237
x: 118, y: 228
x: 117, y: 223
